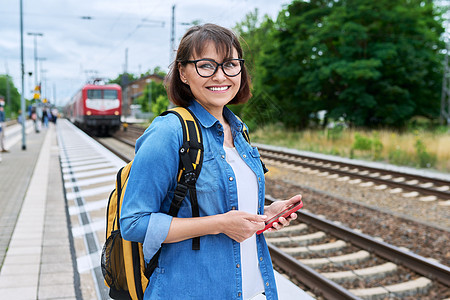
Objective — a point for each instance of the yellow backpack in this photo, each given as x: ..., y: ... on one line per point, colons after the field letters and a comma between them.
x: 123, y: 266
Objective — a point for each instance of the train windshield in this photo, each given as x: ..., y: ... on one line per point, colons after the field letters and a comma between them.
x: 102, y: 94
x: 109, y: 94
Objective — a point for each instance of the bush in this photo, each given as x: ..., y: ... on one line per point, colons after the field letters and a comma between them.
x: 160, y: 105
x: 399, y: 157
x: 362, y: 142
x: 425, y: 159
x: 377, y: 148
x: 335, y: 132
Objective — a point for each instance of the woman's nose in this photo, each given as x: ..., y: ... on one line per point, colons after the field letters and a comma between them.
x: 219, y: 75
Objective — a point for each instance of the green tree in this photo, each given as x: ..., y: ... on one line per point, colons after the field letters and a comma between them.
x: 256, y: 39
x: 371, y: 62
x: 151, y: 94
x: 160, y: 105
x: 12, y: 108
x: 123, y: 79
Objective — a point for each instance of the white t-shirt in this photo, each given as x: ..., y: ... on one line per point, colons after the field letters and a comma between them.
x: 247, y: 187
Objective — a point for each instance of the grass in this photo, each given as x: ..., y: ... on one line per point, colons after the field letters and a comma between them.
x: 415, y: 148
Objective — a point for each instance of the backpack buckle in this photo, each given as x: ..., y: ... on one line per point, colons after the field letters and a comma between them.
x: 190, y: 178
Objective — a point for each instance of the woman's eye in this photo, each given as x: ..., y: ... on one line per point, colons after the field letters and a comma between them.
x: 206, y: 65
x: 230, y: 64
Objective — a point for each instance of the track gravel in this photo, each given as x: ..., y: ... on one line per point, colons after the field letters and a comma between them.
x: 422, y: 227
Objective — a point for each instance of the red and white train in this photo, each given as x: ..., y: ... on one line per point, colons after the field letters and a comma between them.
x: 96, y: 108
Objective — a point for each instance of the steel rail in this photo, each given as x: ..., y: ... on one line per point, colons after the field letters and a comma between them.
x: 122, y: 156
x: 417, y: 188
x: 309, y: 277
x: 417, y: 263
x: 358, y: 166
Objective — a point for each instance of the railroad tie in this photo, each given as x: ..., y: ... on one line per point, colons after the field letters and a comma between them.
x: 369, y: 273
x: 409, y: 288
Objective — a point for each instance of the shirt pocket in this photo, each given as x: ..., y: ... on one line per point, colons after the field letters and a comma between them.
x: 254, y: 153
x: 209, y: 175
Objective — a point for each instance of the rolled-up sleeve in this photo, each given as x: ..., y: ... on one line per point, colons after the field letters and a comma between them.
x: 158, y: 228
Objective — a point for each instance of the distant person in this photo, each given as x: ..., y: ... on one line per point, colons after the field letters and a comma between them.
x: 2, y: 126
x: 45, y: 117
x: 19, y: 117
x: 34, y: 117
x: 232, y: 262
x: 54, y: 113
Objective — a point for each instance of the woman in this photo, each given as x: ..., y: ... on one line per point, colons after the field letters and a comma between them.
x: 233, y: 262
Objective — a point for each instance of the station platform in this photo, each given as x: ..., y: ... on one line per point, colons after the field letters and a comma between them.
x: 38, y: 259
x: 35, y: 251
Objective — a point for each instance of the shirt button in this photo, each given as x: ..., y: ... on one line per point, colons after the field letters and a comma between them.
x: 244, y: 156
x: 239, y: 294
x: 220, y: 133
x: 238, y: 265
x: 267, y: 283
x: 261, y: 258
x: 259, y: 178
x: 231, y: 179
x: 233, y: 207
x: 223, y: 156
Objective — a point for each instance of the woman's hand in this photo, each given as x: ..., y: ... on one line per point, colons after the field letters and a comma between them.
x: 276, y: 208
x: 239, y: 225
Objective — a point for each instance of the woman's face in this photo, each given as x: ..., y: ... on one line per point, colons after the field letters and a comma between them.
x: 214, y: 92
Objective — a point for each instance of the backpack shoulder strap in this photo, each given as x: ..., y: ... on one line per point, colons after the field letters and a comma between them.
x: 247, y: 138
x: 191, y: 159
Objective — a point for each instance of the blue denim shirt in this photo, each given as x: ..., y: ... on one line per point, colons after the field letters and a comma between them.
x: 213, y: 272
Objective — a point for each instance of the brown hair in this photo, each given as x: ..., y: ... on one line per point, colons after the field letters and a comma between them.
x: 193, y: 42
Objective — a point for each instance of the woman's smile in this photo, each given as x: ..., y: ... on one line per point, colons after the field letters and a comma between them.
x: 222, y: 88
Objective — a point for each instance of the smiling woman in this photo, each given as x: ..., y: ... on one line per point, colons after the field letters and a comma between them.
x: 216, y: 254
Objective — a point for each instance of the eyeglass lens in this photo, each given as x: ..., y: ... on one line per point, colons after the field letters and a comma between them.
x: 207, y: 68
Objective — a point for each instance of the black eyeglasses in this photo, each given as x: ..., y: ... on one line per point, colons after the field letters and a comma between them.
x: 208, y: 67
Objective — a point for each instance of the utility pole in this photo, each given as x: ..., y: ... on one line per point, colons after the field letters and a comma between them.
x: 35, y: 34
x: 54, y: 94
x: 22, y: 97
x: 172, y: 36
x: 8, y: 88
x: 445, y: 95
x: 124, y: 84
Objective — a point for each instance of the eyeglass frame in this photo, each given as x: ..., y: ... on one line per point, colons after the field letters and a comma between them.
x: 241, y: 62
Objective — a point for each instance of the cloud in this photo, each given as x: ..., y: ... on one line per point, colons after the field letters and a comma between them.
x: 84, y: 36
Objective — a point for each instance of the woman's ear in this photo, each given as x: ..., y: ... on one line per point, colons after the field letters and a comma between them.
x: 182, y: 72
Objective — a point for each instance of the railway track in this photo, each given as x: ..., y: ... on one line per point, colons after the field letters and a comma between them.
x: 335, y: 262
x: 411, y: 185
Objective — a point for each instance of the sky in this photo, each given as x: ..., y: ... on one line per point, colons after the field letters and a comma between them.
x: 84, y: 38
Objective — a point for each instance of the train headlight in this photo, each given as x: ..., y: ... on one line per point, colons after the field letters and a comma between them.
x: 89, y: 113
x: 116, y: 113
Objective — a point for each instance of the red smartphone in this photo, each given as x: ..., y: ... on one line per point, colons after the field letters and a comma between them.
x: 285, y: 213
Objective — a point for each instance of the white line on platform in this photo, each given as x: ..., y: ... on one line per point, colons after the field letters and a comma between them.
x: 85, y: 167
x: 90, y: 181
x: 95, y: 205
x: 88, y: 228
x: 94, y: 160
x: 88, y: 262
x: 90, y: 192
x: 91, y: 173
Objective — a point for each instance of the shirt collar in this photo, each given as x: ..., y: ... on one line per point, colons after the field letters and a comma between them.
x: 207, y: 120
